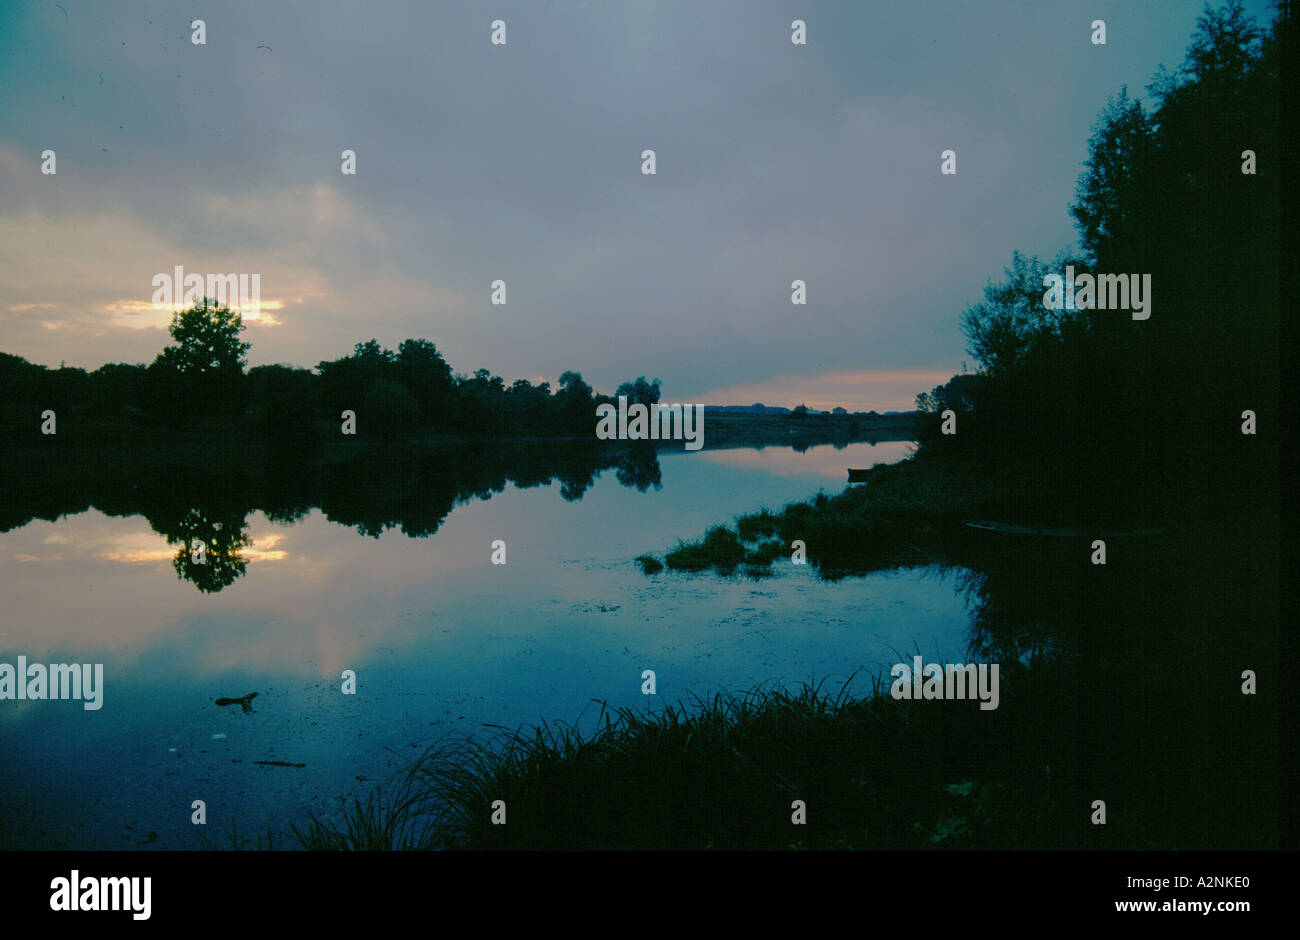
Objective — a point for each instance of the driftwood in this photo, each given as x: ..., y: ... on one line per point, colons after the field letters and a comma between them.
x: 277, y: 763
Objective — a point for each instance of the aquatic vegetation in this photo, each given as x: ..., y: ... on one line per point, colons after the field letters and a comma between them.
x: 720, y: 548
x: 649, y: 564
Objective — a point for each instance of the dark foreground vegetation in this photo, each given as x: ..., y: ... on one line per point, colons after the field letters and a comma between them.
x: 1120, y: 682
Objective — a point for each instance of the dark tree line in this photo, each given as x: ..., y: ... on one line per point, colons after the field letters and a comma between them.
x: 200, y: 382
x: 1150, y: 410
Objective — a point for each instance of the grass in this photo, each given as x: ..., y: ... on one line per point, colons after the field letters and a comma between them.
x: 649, y: 564
x: 753, y: 527
x: 720, y: 548
x: 401, y: 819
x: 720, y: 772
x: 764, y: 554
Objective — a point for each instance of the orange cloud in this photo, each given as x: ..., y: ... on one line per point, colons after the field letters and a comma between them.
x: 143, y: 315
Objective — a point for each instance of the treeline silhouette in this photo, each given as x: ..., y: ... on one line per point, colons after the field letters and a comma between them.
x: 1142, y: 419
x: 200, y: 384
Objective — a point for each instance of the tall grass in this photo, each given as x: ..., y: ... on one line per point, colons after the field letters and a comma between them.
x: 718, y: 772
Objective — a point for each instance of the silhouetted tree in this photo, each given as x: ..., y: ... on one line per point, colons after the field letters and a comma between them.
x: 423, y: 372
x: 199, y: 375
x: 640, y: 391
x: 206, y: 340
x: 388, y: 412
x: 284, y: 400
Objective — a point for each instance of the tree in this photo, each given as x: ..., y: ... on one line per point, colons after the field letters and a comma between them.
x: 575, y: 401
x: 390, y: 412
x: 1003, y: 329
x: 640, y: 391
x: 199, y: 377
x: 117, y: 386
x: 959, y: 393
x: 206, y: 341
x: 345, y: 382
x: 426, y: 375
x: 1114, y: 202
x: 284, y: 400
x: 1225, y: 46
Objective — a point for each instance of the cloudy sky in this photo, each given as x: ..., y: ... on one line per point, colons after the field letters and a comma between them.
x: 522, y: 162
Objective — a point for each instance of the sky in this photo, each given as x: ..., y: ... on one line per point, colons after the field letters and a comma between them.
x: 522, y: 163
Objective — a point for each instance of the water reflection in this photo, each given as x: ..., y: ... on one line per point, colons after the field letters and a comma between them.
x: 330, y: 577
x: 831, y: 461
x: 201, y: 509
x: 209, y: 554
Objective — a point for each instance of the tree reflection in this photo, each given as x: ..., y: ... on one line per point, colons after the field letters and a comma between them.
x: 209, y: 556
x: 199, y: 501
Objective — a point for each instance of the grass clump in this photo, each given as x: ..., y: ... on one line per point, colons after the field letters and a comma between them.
x: 403, y: 819
x: 758, y: 525
x: 720, y: 548
x: 649, y: 564
x: 765, y: 554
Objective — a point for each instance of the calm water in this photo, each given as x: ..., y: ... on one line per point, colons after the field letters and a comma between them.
x: 442, y: 641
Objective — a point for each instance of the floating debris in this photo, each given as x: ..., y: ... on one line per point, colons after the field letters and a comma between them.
x: 245, y: 702
x: 277, y: 763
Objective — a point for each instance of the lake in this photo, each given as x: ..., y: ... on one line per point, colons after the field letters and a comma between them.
x: 442, y: 641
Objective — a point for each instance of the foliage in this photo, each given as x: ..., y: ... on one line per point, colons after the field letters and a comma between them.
x: 206, y: 341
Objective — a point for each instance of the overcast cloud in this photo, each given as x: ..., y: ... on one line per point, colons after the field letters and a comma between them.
x: 522, y: 162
